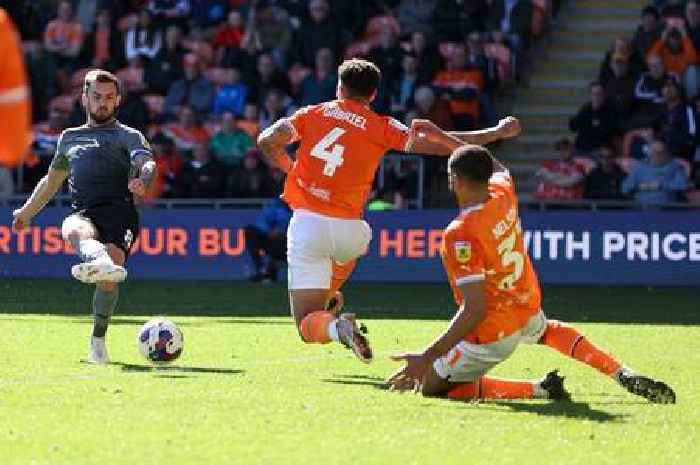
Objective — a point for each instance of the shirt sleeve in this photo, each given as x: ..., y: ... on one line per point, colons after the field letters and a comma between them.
x: 60, y: 157
x: 396, y: 134
x: 298, y: 122
x: 137, y: 145
x: 463, y: 258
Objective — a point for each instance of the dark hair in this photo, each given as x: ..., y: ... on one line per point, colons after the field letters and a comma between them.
x: 472, y: 162
x: 564, y: 142
x: 650, y: 10
x: 100, y: 75
x: 360, y: 78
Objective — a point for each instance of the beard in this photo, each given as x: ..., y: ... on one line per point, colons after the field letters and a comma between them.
x: 102, y: 115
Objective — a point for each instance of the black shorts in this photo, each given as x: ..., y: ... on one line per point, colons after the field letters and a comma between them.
x: 115, y: 224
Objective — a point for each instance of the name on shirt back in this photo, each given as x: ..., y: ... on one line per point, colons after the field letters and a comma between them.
x: 347, y: 116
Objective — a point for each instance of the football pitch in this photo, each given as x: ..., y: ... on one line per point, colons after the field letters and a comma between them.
x: 246, y: 391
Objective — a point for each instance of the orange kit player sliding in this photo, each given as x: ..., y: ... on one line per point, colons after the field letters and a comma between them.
x: 15, y: 107
x: 341, y: 145
x: 498, y: 294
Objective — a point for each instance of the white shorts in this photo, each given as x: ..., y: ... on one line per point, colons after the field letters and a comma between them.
x: 468, y: 362
x: 315, y: 241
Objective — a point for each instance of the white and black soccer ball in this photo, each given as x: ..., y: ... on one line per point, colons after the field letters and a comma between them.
x: 160, y: 340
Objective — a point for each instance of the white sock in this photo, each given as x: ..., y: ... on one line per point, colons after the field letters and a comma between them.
x: 333, y: 330
x: 623, y: 370
x: 539, y: 392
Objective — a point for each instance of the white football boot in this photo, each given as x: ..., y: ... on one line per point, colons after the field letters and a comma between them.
x: 351, y: 337
x: 98, y: 351
x: 99, y: 270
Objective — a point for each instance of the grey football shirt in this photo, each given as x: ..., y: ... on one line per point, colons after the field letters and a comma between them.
x: 100, y: 161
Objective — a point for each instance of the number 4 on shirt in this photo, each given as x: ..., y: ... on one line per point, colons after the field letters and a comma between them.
x: 330, y: 152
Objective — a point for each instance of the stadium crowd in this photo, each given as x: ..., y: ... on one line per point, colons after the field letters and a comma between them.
x: 203, y: 77
x: 637, y: 137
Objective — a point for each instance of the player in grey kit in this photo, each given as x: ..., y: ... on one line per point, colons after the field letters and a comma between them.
x: 106, y: 164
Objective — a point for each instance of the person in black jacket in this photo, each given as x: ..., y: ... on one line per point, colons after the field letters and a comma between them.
x: 605, y: 180
x: 202, y: 177
x: 596, y: 123
x: 104, y: 46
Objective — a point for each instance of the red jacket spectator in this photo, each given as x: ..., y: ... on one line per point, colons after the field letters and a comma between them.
x: 231, y: 34
x: 676, y: 50
x: 561, y: 179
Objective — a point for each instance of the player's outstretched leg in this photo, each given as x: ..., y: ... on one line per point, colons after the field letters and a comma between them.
x: 322, y: 326
x: 97, y: 264
x: 549, y: 387
x: 341, y: 273
x: 570, y: 342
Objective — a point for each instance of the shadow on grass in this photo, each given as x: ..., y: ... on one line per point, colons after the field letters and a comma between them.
x: 172, y: 376
x: 357, y: 380
x: 134, y: 368
x: 566, y: 409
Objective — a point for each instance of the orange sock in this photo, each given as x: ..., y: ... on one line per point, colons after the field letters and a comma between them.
x: 567, y: 340
x: 314, y: 327
x: 341, y: 273
x: 493, y: 388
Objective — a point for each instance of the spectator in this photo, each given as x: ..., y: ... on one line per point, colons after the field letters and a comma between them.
x: 166, y: 67
x: 186, y: 133
x: 250, y: 123
x: 133, y: 110
x: 320, y: 85
x: 143, y: 38
x: 251, y: 180
x: 561, y: 179
x: 202, y: 177
x: 387, y: 56
x: 427, y: 106
x: 320, y: 30
x: 415, y: 15
x: 229, y: 34
x: 7, y: 185
x: 207, y: 14
x: 679, y: 56
x: 672, y: 9
x: 266, y: 240
x: 269, y: 30
x: 620, y: 86
x: 677, y: 126
x: 604, y: 182
x: 63, y: 39
x: 405, y: 86
x: 269, y: 77
x: 46, y: 136
x: 429, y: 58
x: 170, y: 10
x: 461, y: 86
x: 621, y: 48
x: 648, y: 32
x: 232, y: 95
x: 692, y: 22
x: 477, y: 59
x: 648, y: 95
x: 455, y: 19
x: 595, y: 124
x: 660, y: 180
x: 104, y: 47
x: 514, y: 19
x: 194, y: 90
x: 169, y: 167
x: 230, y: 144
x: 273, y: 109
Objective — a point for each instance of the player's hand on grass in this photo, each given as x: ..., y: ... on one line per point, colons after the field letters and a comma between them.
x: 20, y: 220
x: 137, y: 187
x: 509, y: 127
x: 410, y: 376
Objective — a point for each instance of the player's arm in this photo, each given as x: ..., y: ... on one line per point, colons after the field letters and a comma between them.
x: 143, y: 166
x: 273, y: 142
x: 507, y: 128
x: 44, y: 191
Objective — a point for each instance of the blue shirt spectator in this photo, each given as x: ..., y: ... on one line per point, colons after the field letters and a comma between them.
x: 274, y: 217
x: 232, y: 95
x: 320, y: 85
x: 659, y: 180
x: 194, y: 90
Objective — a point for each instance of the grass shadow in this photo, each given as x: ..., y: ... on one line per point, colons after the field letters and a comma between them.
x: 172, y: 376
x: 566, y: 409
x: 357, y: 380
x: 135, y: 368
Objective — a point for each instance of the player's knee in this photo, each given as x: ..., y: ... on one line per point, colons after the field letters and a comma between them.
x: 116, y: 254
x: 107, y: 287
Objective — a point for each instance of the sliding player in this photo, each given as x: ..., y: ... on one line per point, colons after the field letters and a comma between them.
x: 106, y: 163
x: 498, y: 294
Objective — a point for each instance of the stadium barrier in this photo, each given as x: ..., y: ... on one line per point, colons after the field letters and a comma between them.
x: 567, y: 247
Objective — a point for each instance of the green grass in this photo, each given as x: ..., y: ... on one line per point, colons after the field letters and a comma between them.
x: 247, y: 391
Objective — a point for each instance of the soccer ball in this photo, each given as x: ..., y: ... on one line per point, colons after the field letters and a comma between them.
x: 160, y: 340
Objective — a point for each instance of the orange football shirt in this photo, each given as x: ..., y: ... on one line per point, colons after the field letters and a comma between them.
x: 485, y: 243
x: 15, y: 106
x: 341, y: 145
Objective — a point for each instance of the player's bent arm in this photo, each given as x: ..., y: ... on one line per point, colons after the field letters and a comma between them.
x: 506, y: 128
x: 44, y: 191
x: 471, y: 313
x: 145, y: 166
x: 273, y: 142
